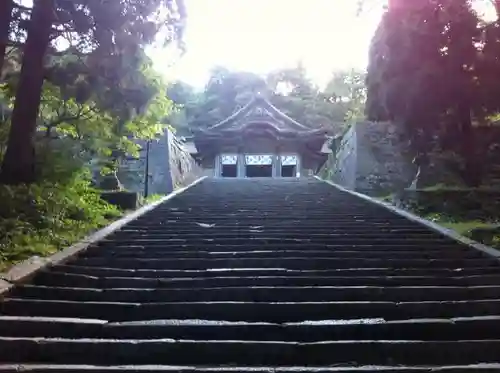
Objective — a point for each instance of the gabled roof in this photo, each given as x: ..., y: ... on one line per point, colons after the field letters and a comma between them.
x: 259, y: 109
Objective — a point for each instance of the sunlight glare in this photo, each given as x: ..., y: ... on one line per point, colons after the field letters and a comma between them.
x: 261, y: 36
x: 485, y: 9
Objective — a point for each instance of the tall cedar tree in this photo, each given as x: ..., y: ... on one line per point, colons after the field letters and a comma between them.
x: 19, y: 161
x: 106, y: 29
x: 6, y: 7
x: 424, y: 73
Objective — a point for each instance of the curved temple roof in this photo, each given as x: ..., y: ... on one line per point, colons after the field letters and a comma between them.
x: 260, y: 113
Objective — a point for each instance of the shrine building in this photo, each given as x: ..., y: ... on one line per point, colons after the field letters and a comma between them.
x: 260, y: 141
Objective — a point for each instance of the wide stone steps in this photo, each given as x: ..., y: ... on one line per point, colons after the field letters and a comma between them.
x: 228, y: 272
x: 55, y: 278
x: 364, y: 329
x: 215, y: 352
x: 284, y: 262
x: 48, y: 368
x: 260, y: 275
x: 143, y: 253
x: 260, y: 294
x: 277, y: 312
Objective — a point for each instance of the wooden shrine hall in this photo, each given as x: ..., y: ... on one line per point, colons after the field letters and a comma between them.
x: 260, y: 141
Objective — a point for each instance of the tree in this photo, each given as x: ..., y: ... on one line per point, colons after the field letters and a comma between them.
x: 19, y: 160
x: 292, y: 82
x: 348, y: 87
x: 427, y: 73
x: 6, y: 8
x: 96, y: 31
x: 302, y: 100
x: 227, y: 91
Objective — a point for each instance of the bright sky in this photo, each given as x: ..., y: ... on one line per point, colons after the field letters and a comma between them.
x: 264, y: 35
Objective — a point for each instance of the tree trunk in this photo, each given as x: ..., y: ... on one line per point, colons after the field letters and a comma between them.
x: 6, y: 7
x: 19, y: 163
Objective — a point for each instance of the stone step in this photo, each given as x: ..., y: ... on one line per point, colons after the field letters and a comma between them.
x: 339, y: 368
x: 230, y: 272
x: 178, y: 226
x: 377, y: 329
x: 251, y: 353
x: 54, y: 278
x: 217, y: 246
x: 396, y: 240
x: 20, y: 326
x: 229, y: 216
x: 283, y: 235
x: 260, y: 294
x: 416, y: 329
x: 160, y: 224
x: 257, y: 214
x: 334, y: 254
x: 276, y: 312
x: 283, y: 262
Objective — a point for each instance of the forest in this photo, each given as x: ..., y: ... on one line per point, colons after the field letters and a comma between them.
x: 78, y: 91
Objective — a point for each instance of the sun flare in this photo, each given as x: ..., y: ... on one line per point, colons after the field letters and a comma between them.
x: 260, y: 36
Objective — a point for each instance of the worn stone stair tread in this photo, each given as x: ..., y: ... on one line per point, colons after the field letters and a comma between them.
x: 355, y: 272
x: 292, y: 263
x: 262, y: 254
x: 221, y: 246
x: 55, y: 278
x: 281, y: 237
x: 181, y: 226
x: 26, y: 326
x: 250, y: 311
x: 309, y: 331
x: 341, y: 368
x: 260, y: 293
x: 159, y: 223
x: 161, y: 351
x: 231, y: 272
x: 282, y: 241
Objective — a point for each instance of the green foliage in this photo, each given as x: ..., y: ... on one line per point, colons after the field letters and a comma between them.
x: 94, y: 129
x: 99, y: 97
x: 40, y: 219
x: 348, y: 87
x: 94, y: 61
x: 288, y: 89
x: 153, y: 198
x: 433, y: 69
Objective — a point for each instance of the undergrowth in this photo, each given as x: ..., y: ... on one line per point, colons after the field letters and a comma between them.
x: 153, y: 198
x: 40, y: 219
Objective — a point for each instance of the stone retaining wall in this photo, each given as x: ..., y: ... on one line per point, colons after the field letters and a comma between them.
x: 170, y: 167
x: 371, y: 159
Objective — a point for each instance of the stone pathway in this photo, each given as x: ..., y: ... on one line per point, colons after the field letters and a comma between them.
x: 260, y: 275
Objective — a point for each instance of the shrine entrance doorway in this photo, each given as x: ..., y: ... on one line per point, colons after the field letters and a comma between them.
x: 261, y: 165
x: 242, y: 165
x: 259, y: 171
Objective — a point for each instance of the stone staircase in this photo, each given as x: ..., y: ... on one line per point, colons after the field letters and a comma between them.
x: 260, y: 276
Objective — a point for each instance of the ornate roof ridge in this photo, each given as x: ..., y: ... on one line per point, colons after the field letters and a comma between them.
x: 256, y: 100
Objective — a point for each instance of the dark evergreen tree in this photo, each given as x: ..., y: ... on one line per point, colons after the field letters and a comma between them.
x: 104, y: 36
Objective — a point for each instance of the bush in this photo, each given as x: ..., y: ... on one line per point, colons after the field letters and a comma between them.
x: 40, y: 219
